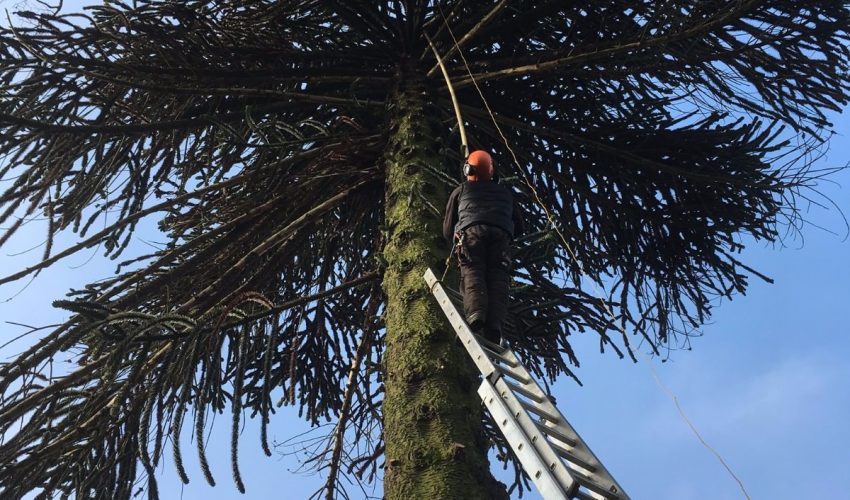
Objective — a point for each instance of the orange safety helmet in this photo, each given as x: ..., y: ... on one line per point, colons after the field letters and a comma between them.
x: 478, y: 166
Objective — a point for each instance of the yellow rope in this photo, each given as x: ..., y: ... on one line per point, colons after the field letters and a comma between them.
x: 599, y: 291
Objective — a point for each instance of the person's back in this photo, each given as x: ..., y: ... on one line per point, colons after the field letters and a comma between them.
x: 485, y: 203
x: 482, y: 217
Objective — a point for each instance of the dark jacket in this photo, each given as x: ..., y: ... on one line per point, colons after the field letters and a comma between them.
x: 481, y: 202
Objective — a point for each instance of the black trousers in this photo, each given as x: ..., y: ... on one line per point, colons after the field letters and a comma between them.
x: 485, y: 262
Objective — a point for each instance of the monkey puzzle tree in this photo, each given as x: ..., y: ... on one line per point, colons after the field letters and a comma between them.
x: 296, y: 155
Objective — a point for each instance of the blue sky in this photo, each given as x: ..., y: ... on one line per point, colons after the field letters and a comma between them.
x: 767, y: 384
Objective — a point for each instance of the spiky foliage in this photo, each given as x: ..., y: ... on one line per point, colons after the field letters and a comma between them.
x: 256, y: 133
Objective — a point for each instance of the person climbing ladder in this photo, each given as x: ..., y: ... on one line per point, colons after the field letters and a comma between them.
x: 480, y: 221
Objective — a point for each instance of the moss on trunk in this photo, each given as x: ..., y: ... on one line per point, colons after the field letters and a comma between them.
x: 432, y: 419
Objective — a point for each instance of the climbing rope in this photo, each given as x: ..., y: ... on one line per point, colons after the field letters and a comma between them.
x: 567, y: 246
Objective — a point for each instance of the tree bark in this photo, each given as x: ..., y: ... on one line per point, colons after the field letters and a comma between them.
x: 435, y: 448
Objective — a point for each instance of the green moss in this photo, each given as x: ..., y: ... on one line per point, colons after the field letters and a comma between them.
x: 432, y: 425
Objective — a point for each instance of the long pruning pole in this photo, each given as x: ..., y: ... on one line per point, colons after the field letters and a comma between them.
x: 464, y: 147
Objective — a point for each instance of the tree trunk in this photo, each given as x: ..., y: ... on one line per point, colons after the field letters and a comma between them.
x: 435, y: 447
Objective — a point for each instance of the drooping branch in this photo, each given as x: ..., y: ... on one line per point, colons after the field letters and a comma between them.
x: 354, y: 372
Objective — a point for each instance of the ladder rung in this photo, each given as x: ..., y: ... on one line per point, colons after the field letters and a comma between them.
x: 519, y: 377
x: 594, y: 487
x: 581, y: 495
x: 496, y: 355
x: 568, y: 456
x: 555, y: 433
x: 539, y: 411
x: 500, y: 359
x: 525, y: 392
x: 496, y: 349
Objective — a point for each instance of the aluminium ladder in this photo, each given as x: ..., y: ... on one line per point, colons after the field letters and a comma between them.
x: 551, y: 452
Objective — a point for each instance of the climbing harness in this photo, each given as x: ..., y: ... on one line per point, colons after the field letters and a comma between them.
x: 457, y: 247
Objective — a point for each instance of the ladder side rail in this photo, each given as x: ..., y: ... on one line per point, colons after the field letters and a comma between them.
x: 476, y: 352
x: 548, y: 481
x: 581, y: 450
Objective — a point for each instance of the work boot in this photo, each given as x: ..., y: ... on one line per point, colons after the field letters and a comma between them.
x: 492, y: 336
x: 475, y: 322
